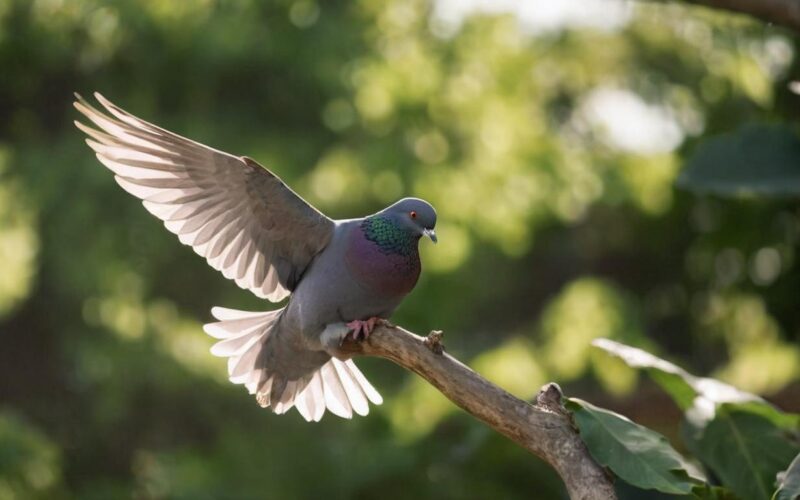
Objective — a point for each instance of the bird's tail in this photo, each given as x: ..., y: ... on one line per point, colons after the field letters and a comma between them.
x: 338, y: 385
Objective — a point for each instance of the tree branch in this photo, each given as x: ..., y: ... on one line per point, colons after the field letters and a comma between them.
x: 544, y: 428
x: 782, y: 12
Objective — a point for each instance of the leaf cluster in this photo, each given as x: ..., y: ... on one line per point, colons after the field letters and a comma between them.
x: 740, y: 444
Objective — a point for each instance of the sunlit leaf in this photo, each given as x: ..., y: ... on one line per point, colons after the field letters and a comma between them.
x: 698, y: 396
x: 636, y: 454
x: 680, y: 384
x: 789, y: 482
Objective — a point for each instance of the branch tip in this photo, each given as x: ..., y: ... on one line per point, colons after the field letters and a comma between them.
x: 550, y: 397
x: 434, y: 342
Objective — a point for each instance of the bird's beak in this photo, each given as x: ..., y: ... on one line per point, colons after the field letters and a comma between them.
x: 430, y: 233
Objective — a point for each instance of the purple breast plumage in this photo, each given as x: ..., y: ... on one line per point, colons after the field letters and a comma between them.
x: 383, y: 256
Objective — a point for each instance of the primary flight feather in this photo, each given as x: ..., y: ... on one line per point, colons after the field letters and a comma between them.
x: 341, y: 276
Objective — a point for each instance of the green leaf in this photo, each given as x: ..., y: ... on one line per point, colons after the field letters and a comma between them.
x: 745, y: 450
x: 636, y: 454
x: 787, y: 421
x: 698, y: 396
x: 754, y: 160
x: 708, y: 492
x: 789, y: 482
x: 672, y: 378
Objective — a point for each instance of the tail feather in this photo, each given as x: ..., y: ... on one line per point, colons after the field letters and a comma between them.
x: 230, y: 328
x: 315, y: 395
x: 233, y: 346
x: 242, y: 364
x: 225, y: 314
x: 286, y: 401
x: 361, y: 381
x: 355, y: 395
x: 335, y: 395
x: 249, y: 380
x: 304, y: 405
x: 338, y: 386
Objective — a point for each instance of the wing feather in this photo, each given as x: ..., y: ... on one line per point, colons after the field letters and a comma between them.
x: 238, y: 215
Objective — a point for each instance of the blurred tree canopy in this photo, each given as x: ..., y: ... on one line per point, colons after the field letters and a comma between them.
x: 550, y: 146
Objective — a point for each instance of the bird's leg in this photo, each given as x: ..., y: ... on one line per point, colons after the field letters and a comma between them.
x: 361, y: 329
x: 334, y: 335
x: 332, y: 338
x: 355, y: 327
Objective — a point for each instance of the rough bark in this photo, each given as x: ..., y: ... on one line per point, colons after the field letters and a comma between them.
x: 782, y: 12
x: 544, y: 427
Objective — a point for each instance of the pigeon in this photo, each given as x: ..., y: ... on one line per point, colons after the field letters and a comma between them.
x: 341, y: 277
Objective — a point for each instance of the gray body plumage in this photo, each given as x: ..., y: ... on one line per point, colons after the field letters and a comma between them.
x: 328, y: 294
x: 249, y: 225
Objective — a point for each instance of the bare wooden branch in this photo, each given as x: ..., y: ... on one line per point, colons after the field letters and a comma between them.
x: 782, y: 12
x: 544, y: 428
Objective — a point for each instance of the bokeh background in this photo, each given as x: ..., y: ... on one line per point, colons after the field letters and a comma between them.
x: 549, y: 135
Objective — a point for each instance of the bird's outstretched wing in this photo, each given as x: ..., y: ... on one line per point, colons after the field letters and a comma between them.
x: 238, y: 215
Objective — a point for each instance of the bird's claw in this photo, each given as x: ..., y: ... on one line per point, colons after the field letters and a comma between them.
x: 361, y: 329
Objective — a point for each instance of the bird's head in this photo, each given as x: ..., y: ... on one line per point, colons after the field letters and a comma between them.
x: 415, y: 215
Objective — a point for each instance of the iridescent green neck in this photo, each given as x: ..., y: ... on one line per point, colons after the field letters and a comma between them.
x: 389, y: 236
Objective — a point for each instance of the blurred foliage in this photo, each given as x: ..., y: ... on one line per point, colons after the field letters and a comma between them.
x: 29, y: 462
x: 18, y: 241
x: 550, y: 151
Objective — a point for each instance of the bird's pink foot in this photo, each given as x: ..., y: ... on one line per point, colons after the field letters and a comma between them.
x: 361, y: 329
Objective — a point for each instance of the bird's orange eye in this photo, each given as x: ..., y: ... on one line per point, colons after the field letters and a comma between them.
x: 413, y: 214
